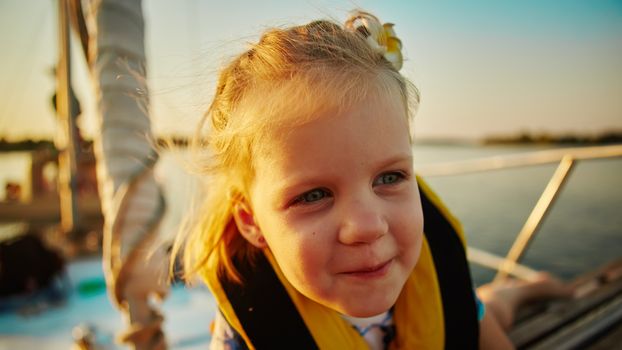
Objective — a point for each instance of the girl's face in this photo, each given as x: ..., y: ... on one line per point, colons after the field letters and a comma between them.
x: 338, y: 205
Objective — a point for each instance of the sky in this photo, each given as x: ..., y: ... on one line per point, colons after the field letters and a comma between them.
x: 483, y: 67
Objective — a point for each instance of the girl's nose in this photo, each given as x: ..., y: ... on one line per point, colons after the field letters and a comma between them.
x: 362, y: 223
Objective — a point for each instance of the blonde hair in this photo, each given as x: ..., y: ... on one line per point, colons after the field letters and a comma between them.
x: 281, y: 82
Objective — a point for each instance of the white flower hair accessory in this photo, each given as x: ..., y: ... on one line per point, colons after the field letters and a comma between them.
x: 381, y: 37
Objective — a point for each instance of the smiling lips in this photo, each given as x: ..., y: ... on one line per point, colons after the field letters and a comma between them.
x: 372, y: 271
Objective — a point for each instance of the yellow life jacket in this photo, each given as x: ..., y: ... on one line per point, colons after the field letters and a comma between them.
x: 436, y: 308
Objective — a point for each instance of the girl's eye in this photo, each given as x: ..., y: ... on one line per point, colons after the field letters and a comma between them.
x: 389, y: 178
x: 311, y: 196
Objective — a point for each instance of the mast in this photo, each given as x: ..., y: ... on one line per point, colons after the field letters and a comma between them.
x: 66, y: 140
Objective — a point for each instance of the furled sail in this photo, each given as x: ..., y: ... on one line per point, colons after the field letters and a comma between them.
x: 132, y: 201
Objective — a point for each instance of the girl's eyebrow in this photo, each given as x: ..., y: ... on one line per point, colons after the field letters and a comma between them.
x: 400, y: 158
x: 396, y: 160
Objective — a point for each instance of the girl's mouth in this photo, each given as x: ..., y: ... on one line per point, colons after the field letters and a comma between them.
x: 370, y: 272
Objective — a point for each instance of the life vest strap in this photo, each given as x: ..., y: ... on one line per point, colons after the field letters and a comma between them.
x: 454, y: 277
x: 261, y: 303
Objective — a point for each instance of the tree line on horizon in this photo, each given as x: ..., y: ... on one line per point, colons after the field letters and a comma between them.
x: 609, y: 137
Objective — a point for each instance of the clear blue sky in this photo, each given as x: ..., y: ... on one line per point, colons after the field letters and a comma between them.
x: 482, y: 67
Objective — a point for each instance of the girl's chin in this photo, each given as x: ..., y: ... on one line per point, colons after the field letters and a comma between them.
x: 362, y: 305
x: 364, y: 312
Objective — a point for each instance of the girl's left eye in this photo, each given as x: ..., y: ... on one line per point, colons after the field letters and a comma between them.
x: 312, y: 196
x: 389, y: 178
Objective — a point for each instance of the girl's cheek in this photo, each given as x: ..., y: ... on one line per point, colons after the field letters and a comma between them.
x: 306, y: 223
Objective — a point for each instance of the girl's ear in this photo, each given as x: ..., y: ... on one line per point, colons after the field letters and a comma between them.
x: 245, y: 221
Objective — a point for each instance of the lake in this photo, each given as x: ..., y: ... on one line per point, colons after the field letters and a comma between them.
x: 582, y: 231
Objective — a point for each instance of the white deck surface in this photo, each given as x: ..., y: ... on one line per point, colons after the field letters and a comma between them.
x: 187, y: 312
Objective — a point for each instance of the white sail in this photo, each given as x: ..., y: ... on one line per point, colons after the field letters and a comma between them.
x: 132, y: 201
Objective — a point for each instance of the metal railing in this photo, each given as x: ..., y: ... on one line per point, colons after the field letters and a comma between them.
x: 566, y: 158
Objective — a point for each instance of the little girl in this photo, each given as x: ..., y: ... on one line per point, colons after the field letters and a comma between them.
x: 312, y: 234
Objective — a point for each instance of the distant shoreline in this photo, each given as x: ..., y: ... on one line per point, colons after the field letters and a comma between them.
x: 525, y: 138
x: 605, y: 138
x: 25, y: 145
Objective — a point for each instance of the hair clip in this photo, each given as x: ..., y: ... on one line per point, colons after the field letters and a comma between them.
x: 380, y: 37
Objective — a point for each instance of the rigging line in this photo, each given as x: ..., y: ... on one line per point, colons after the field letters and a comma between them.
x: 10, y: 95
